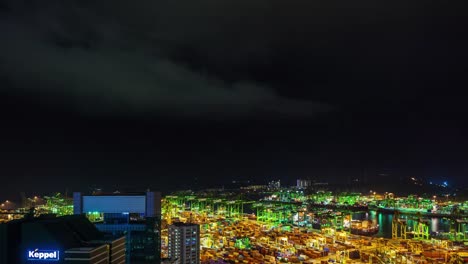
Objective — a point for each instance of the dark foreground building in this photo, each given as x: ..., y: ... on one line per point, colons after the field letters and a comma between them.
x: 68, y: 239
x: 137, y: 216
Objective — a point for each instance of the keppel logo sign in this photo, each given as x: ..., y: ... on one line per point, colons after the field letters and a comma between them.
x: 43, y: 255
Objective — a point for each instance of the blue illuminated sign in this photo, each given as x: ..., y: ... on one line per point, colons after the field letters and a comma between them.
x: 43, y: 255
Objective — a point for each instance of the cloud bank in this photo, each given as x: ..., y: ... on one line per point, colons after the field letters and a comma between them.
x: 119, y: 60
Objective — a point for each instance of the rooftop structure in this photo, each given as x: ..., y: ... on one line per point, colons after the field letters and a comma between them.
x: 135, y: 215
x: 67, y: 239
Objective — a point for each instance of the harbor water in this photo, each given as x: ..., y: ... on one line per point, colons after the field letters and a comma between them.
x: 384, y: 220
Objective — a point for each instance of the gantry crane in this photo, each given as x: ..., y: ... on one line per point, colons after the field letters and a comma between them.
x: 398, y: 227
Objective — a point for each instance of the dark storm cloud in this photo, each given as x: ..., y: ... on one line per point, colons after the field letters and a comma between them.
x: 240, y: 31
x: 230, y: 57
x: 110, y: 60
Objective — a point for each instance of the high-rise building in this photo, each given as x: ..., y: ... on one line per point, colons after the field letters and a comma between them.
x: 303, y: 184
x: 184, y: 243
x: 274, y: 184
x: 66, y: 239
x: 135, y: 215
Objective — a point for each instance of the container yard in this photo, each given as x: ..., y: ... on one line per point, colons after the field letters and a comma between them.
x: 286, y: 227
x: 248, y: 241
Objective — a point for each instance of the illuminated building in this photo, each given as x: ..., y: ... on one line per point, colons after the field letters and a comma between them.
x: 184, y: 243
x: 135, y: 215
x: 303, y: 184
x: 274, y: 184
x: 67, y: 239
x: 254, y: 187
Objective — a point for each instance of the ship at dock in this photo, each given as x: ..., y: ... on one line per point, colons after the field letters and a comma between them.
x: 362, y: 227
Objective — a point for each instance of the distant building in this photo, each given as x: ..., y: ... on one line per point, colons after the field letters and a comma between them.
x: 66, y: 239
x: 303, y: 184
x: 274, y: 184
x: 254, y: 187
x: 184, y: 243
x: 135, y: 215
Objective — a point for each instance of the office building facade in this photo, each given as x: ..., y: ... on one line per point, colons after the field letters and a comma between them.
x: 67, y: 239
x: 184, y: 243
x: 137, y: 216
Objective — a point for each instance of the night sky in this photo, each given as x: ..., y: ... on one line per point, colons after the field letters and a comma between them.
x: 174, y: 94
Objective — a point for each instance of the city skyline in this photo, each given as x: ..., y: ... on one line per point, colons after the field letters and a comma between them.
x: 152, y: 95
